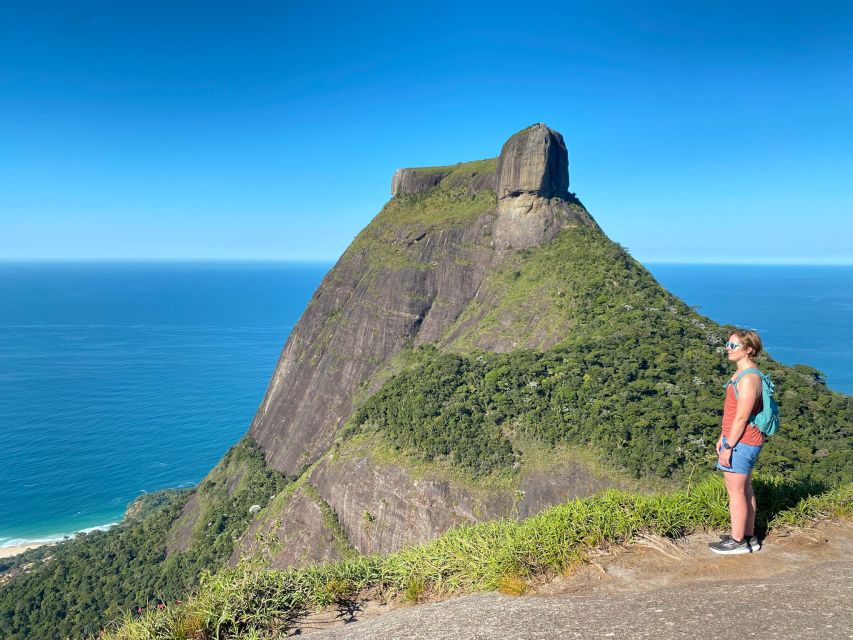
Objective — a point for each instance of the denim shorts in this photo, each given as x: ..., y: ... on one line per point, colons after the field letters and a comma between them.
x: 744, y: 457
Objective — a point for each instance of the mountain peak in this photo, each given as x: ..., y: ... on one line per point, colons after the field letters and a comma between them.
x: 535, y: 161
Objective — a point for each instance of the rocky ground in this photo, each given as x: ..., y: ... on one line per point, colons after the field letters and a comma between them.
x: 800, y: 585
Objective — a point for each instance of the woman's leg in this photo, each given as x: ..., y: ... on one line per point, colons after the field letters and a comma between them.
x: 749, y: 531
x: 738, y: 503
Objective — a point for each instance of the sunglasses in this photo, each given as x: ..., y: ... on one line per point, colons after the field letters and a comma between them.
x: 733, y: 345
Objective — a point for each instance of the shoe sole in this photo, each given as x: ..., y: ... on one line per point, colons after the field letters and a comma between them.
x: 733, y: 552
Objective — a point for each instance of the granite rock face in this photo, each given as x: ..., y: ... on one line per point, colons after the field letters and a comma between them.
x: 415, y: 181
x: 475, y: 179
x: 389, y: 508
x: 533, y: 161
x: 296, y: 536
x: 532, y: 182
x: 527, y: 220
x: 367, y: 309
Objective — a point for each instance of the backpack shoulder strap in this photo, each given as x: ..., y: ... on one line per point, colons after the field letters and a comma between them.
x: 743, y: 373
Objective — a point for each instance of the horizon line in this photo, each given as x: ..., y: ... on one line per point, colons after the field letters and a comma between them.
x: 324, y: 261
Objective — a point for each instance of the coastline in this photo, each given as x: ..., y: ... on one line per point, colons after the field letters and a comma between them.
x: 19, y: 545
x: 8, y: 552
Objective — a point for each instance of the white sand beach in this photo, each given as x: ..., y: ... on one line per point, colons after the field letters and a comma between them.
x: 6, y: 552
x: 13, y: 550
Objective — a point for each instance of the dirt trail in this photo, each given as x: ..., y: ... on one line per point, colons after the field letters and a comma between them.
x: 800, y: 585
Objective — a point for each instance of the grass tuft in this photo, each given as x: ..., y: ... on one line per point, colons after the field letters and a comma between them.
x: 413, y: 589
x: 512, y: 585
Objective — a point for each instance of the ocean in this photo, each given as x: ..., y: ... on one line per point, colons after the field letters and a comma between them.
x: 804, y: 314
x: 118, y: 379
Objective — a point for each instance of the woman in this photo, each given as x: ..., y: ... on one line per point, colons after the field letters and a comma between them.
x: 740, y: 442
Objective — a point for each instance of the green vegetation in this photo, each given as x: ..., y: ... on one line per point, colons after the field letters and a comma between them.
x: 616, y: 395
x: 330, y: 521
x: 580, y: 285
x: 253, y: 602
x: 72, y: 588
x: 440, y: 206
x: 220, y: 512
x: 386, y: 240
x: 390, y: 241
x: 460, y: 169
x: 636, y: 375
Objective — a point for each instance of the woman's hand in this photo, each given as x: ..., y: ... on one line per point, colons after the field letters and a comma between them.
x: 725, y: 457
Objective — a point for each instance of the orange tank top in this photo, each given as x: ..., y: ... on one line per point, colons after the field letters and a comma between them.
x: 751, y: 435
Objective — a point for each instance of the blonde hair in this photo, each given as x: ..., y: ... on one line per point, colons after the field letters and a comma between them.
x: 750, y: 340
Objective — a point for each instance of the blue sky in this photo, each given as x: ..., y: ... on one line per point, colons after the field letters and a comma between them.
x: 225, y: 130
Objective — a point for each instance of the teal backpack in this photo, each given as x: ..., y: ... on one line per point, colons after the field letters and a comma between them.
x: 766, y: 420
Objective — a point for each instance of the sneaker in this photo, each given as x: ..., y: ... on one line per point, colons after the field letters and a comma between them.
x: 730, y: 546
x: 754, y: 542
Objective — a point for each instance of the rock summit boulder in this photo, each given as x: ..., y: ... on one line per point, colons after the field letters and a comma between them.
x: 533, y: 161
